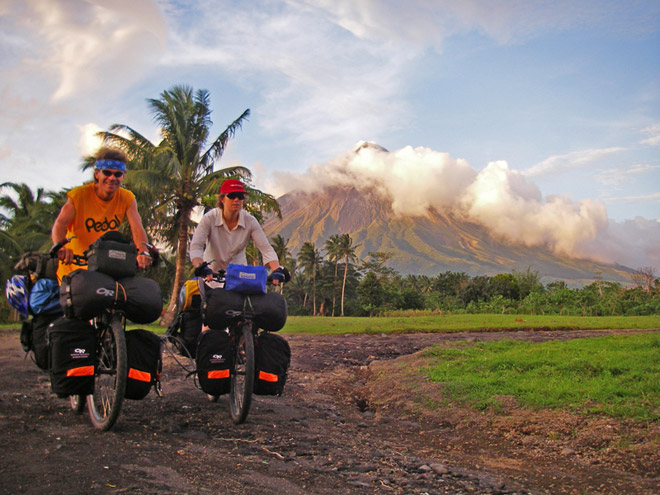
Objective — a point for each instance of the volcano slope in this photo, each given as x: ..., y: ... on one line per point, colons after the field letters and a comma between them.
x: 346, y: 424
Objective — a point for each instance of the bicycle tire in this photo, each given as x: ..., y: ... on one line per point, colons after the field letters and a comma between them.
x: 78, y: 403
x: 111, y: 375
x: 242, y: 375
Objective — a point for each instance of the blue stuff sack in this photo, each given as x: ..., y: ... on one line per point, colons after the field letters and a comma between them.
x: 246, y: 279
x: 45, y: 297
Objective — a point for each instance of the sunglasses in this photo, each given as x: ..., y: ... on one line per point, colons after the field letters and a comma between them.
x: 240, y: 196
x: 108, y: 173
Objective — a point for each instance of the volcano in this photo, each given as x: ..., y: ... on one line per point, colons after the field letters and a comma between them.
x: 424, y: 245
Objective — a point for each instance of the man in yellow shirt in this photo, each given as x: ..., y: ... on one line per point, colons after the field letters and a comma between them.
x: 97, y: 207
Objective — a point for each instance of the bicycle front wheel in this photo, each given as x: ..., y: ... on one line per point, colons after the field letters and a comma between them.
x: 110, y: 379
x: 242, y: 375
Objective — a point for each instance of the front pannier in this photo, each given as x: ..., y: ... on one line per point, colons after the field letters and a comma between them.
x: 144, y: 302
x: 214, y: 361
x: 72, y: 351
x: 272, y: 358
x: 270, y: 311
x: 221, y: 307
x: 113, y: 255
x: 144, y: 352
x: 85, y: 294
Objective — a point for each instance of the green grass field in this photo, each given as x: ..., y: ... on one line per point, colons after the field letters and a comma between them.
x: 618, y: 376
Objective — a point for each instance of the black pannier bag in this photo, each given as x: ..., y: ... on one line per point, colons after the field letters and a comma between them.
x: 214, y: 361
x: 270, y: 310
x: 85, y: 294
x: 144, y: 302
x: 112, y: 254
x: 184, y: 331
x: 145, y: 364
x: 272, y: 358
x: 220, y: 307
x: 38, y: 341
x: 72, y: 351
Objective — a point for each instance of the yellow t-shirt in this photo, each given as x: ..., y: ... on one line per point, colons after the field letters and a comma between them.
x: 94, y: 217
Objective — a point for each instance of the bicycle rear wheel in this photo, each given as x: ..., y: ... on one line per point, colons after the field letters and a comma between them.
x: 242, y: 375
x: 110, y: 380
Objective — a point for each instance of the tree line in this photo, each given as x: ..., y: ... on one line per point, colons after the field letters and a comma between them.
x: 332, y: 281
x: 178, y: 174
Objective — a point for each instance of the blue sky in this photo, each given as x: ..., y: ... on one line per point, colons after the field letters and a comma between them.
x: 547, y: 99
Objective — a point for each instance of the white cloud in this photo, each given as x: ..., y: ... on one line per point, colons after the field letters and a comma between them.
x: 617, y: 176
x: 569, y: 161
x: 500, y: 199
x: 321, y: 85
x: 653, y: 132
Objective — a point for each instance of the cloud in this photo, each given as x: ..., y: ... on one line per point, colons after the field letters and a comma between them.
x: 430, y: 23
x: 617, y: 176
x: 321, y: 85
x: 653, y: 132
x: 70, y: 48
x: 653, y: 197
x: 569, y: 161
x: 500, y: 199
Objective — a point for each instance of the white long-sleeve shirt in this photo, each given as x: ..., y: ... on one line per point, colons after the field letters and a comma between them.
x: 212, y: 240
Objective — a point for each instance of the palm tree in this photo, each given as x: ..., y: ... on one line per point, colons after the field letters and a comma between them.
x: 332, y: 247
x: 347, y: 253
x: 279, y: 244
x: 310, y: 259
x: 30, y: 217
x: 178, y: 173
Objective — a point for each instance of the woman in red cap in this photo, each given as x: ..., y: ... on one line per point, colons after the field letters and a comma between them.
x: 224, y: 232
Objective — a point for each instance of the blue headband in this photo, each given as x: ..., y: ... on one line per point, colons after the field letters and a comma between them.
x: 113, y: 164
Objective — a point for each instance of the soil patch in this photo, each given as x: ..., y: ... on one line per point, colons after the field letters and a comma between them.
x: 350, y: 422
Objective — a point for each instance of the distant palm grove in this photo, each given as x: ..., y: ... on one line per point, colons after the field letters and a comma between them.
x: 173, y: 177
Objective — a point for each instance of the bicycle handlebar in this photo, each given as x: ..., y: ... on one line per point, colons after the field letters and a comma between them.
x: 81, y: 260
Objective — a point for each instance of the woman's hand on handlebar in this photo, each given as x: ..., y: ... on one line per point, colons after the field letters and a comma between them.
x: 279, y: 276
x: 203, y: 270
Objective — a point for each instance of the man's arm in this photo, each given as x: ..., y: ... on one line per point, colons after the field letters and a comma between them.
x: 138, y: 233
x: 58, y: 232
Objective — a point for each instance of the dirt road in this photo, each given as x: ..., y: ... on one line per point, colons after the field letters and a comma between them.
x: 342, y: 427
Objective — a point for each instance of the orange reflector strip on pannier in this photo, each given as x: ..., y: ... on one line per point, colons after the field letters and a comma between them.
x: 217, y: 374
x: 142, y: 376
x: 268, y: 377
x: 82, y: 371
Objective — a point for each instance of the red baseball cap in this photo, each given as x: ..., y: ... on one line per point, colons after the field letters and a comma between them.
x: 232, y: 185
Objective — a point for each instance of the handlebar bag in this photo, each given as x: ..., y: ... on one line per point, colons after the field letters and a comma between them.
x: 144, y: 302
x: 214, y: 361
x: 272, y: 359
x: 144, y: 352
x: 85, y: 294
x: 45, y: 297
x: 270, y: 310
x: 246, y: 279
x: 113, y: 255
x: 72, y: 354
